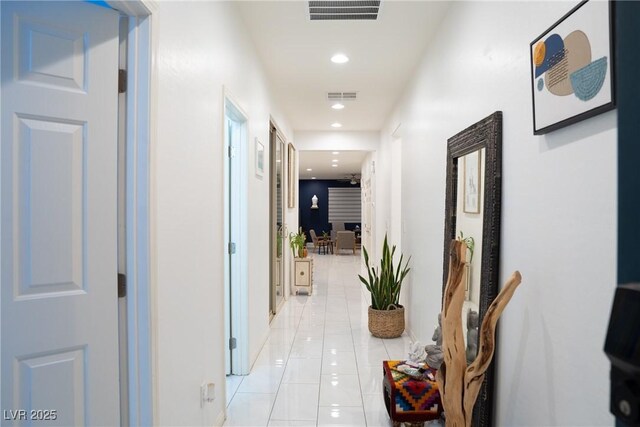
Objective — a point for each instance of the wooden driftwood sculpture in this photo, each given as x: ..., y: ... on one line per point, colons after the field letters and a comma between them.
x: 458, y: 383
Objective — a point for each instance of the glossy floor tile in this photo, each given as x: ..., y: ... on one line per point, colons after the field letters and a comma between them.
x: 297, y: 402
x: 342, y: 416
x: 320, y: 365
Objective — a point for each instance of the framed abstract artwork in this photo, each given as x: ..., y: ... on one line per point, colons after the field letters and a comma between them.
x: 471, y: 195
x: 572, y: 67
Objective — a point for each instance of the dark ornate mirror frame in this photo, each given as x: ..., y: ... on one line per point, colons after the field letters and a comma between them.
x: 486, y: 134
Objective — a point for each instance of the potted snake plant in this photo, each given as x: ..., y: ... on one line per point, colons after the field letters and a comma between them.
x: 386, y: 315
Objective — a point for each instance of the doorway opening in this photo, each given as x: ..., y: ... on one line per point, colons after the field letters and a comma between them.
x: 235, y: 238
x: 277, y: 230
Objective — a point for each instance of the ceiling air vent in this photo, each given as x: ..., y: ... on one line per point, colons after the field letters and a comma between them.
x: 341, y: 96
x: 344, y: 10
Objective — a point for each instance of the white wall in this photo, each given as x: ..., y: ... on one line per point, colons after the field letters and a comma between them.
x: 558, y: 212
x: 201, y: 47
x: 395, y: 199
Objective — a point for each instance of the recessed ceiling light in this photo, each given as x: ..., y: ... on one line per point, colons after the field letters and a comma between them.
x: 335, y: 160
x: 339, y: 58
x: 336, y: 125
x: 309, y: 169
x: 337, y: 106
x: 335, y: 152
x: 334, y: 165
x: 313, y: 177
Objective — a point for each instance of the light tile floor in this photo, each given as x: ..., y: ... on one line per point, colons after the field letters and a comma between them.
x: 320, y: 365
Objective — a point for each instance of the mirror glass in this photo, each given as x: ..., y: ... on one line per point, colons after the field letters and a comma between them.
x: 472, y: 213
x: 469, y: 214
x: 279, y: 279
x: 277, y: 232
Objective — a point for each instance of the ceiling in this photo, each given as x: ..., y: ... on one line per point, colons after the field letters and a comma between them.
x: 349, y: 162
x: 383, y: 54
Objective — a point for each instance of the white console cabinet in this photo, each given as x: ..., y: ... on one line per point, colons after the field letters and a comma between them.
x: 303, y: 275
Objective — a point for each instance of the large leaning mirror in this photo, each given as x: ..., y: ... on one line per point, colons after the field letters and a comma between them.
x: 474, y: 176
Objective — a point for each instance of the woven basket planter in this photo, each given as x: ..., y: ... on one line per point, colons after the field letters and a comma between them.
x: 386, y: 323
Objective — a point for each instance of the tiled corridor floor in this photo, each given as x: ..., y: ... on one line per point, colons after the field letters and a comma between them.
x: 320, y: 366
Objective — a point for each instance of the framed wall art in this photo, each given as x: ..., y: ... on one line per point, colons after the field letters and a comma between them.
x: 292, y: 179
x: 471, y: 194
x: 259, y: 158
x: 572, y: 67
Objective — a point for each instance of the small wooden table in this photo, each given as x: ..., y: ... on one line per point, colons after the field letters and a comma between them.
x: 324, y: 244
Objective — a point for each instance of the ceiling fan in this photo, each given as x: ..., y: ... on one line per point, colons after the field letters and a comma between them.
x: 352, y: 179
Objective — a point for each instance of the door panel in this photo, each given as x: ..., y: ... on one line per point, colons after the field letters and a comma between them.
x: 48, y: 183
x: 58, y: 159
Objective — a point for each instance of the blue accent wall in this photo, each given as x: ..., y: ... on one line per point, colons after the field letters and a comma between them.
x: 627, y: 27
x: 318, y: 219
x: 628, y: 100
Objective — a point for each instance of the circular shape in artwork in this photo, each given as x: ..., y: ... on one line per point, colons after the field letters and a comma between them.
x: 539, y: 53
x: 540, y: 84
x: 578, y: 55
x: 588, y: 81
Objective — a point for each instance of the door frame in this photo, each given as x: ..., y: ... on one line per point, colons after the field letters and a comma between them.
x: 140, y: 207
x: 274, y: 134
x: 239, y: 302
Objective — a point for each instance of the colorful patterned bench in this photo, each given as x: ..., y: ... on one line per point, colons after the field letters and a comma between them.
x: 409, y: 400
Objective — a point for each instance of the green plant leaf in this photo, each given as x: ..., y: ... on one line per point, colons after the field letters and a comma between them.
x: 385, y: 280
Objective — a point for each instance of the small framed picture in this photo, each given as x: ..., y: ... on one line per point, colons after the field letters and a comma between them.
x: 259, y: 159
x: 572, y: 67
x: 471, y: 186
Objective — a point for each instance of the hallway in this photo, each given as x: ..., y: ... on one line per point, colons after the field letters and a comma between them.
x: 320, y: 365
x: 123, y: 163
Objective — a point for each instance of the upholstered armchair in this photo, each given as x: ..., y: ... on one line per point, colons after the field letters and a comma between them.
x: 314, y: 238
x: 346, y: 240
x: 319, y: 242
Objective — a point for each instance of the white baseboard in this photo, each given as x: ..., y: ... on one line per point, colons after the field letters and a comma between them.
x: 411, y: 335
x: 220, y: 419
x: 263, y: 340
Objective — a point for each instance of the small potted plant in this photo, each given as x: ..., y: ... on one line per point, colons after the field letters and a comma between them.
x: 470, y: 242
x: 386, y: 315
x: 297, y: 243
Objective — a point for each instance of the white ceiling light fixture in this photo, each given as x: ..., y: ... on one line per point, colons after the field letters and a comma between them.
x: 313, y: 177
x: 336, y: 125
x: 335, y: 160
x: 334, y: 165
x: 309, y: 169
x: 339, y: 58
x: 337, y: 106
x: 335, y: 152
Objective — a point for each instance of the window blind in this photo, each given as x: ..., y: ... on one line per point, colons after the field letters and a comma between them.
x: 345, y: 204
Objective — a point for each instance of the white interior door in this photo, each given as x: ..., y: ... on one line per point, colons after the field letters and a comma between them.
x: 236, y: 223
x: 58, y: 212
